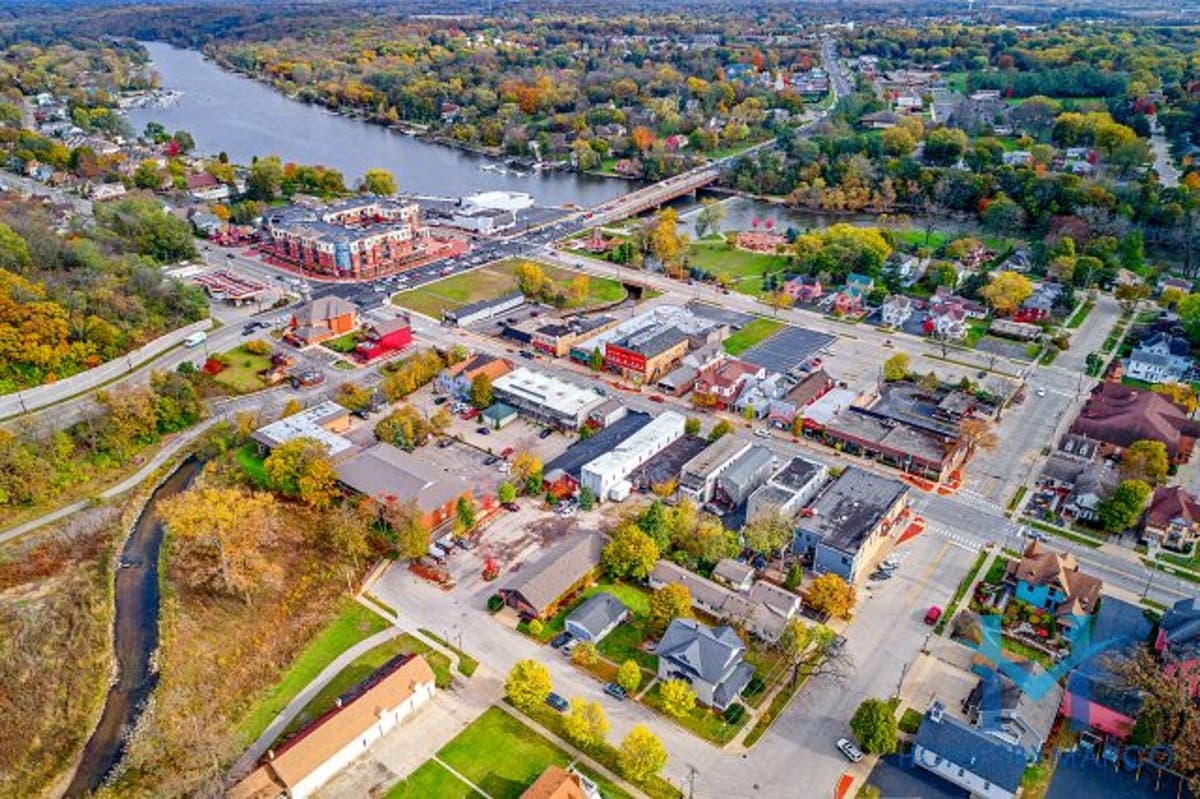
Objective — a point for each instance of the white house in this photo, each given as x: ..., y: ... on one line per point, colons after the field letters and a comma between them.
x: 896, y: 310
x: 1160, y: 358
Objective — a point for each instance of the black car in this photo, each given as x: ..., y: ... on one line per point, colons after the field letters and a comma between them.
x: 483, y: 431
x: 440, y: 400
x: 557, y: 702
x: 615, y: 691
x: 490, y: 460
x: 512, y: 506
x: 560, y: 639
x: 546, y: 433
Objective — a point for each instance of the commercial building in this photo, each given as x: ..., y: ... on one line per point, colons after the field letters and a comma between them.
x: 850, y: 522
x: 330, y: 743
x: 483, y: 310
x: 1118, y: 415
x: 649, y: 345
x: 383, y: 338
x: 322, y: 423
x: 788, y: 490
x: 925, y: 449
x: 537, y: 590
x: 646, y: 355
x: 698, y: 479
x: 321, y: 320
x: 557, y: 338
x: 358, y: 237
x: 546, y: 398
x: 748, y: 471
x: 389, y: 474
x: 607, y: 476
x: 562, y: 475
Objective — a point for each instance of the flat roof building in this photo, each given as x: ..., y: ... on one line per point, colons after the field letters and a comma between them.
x: 612, y: 469
x: 321, y: 423
x: 788, y: 490
x: 546, y: 398
x: 698, y: 479
x: 747, y: 472
x: 850, y: 521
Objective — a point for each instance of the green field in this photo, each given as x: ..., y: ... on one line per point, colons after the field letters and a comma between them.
x: 432, y: 779
x: 361, y: 668
x: 491, y: 281
x: 353, y: 625
x: 241, y: 375
x: 751, y: 334
x: 746, y: 269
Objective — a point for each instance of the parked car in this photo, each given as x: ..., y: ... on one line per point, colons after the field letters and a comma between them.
x: 881, y: 574
x: 557, y: 702
x: 504, y: 453
x: 512, y: 506
x: 440, y: 400
x: 490, y: 460
x: 469, y: 414
x: 615, y: 691
x: 1041, y: 391
x: 835, y: 648
x: 560, y: 640
x: 932, y: 615
x: 546, y: 433
x: 483, y: 431
x: 761, y: 433
x: 443, y: 443
x: 847, y: 748
x: 656, y: 398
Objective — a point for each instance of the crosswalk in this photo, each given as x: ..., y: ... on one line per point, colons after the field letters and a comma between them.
x: 956, y: 539
x: 975, y: 498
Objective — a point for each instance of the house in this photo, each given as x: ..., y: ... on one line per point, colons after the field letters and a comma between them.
x: 323, y: 423
x: 1094, y: 698
x: 1160, y: 358
x: 709, y: 659
x: 850, y: 522
x: 389, y: 474
x: 782, y: 413
x: 536, y: 590
x: 788, y: 490
x: 1001, y: 707
x: 698, y: 478
x: 1178, y: 639
x: 803, y: 288
x: 205, y: 188
x: 981, y: 764
x: 1038, y: 305
x: 719, y: 385
x: 1173, y: 518
x: 1017, y: 158
x: 311, y: 757
x: 734, y: 574
x: 456, y: 379
x: 599, y: 615
x: 557, y: 782
x: 880, y: 120
x: 746, y: 472
x: 947, y: 320
x: 383, y: 338
x: 321, y: 320
x: 1052, y: 581
x: 1091, y: 486
x: 762, y: 610
x: 1118, y: 415
x: 896, y: 310
x: 853, y: 295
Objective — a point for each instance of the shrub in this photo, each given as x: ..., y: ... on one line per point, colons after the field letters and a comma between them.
x: 536, y: 627
x: 734, y: 713
x: 258, y: 347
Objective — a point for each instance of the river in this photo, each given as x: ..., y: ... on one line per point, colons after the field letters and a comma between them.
x: 228, y: 112
x: 135, y: 638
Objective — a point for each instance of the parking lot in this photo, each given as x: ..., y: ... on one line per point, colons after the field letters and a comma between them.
x: 519, y: 435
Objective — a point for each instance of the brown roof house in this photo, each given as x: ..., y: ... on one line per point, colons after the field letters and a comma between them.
x: 536, y: 591
x: 1173, y: 518
x: 1118, y: 415
x: 321, y: 320
x: 557, y: 782
x: 1052, y: 581
x: 318, y: 751
x: 389, y: 474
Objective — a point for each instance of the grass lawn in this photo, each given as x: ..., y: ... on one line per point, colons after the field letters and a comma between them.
x: 750, y: 335
x: 975, y: 331
x: 241, y: 375
x: 916, y: 238
x: 343, y: 344
x: 745, y: 268
x: 701, y: 721
x: 361, y: 668
x: 432, y: 779
x: 624, y: 643
x: 466, y: 663
x: 501, y: 755
x: 491, y: 281
x: 1080, y: 314
x: 252, y: 464
x: 353, y: 625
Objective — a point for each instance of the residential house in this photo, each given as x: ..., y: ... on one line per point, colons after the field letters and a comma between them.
x: 456, y: 379
x: 383, y: 338
x: 321, y: 320
x: 1094, y: 698
x: 1001, y: 707
x: 1091, y: 486
x: 803, y: 289
x: 557, y: 782
x: 1177, y: 283
x: 1052, y: 581
x: 719, y: 385
x: 762, y: 609
x: 1160, y: 358
x: 205, y: 188
x: 853, y: 295
x: 388, y: 474
x: 318, y: 751
x: 1017, y: 158
x: 711, y: 660
x: 851, y: 522
x: 879, y: 120
x: 1117, y: 415
x: 536, y: 590
x: 734, y: 574
x: 1178, y: 640
x: 946, y: 320
x: 1038, y: 305
x: 1173, y: 518
x: 896, y: 310
x: 980, y: 764
x: 596, y: 617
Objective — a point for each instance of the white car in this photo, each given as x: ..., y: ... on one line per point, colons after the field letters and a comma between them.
x: 847, y: 748
x: 762, y: 433
x: 1041, y: 391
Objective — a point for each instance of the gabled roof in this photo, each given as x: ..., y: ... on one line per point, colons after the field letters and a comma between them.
x: 320, y: 312
x: 1181, y: 626
x: 1040, y: 566
x: 556, y: 783
x: 709, y: 652
x: 558, y: 569
x: 963, y: 746
x: 1170, y: 503
x: 385, y: 472
x: 1120, y: 415
x: 598, y: 612
x: 732, y: 571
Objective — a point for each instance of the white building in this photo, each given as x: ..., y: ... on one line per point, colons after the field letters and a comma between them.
x: 1160, y: 358
x: 788, y: 490
x: 608, y: 475
x: 896, y: 310
x: 698, y: 479
x: 546, y: 398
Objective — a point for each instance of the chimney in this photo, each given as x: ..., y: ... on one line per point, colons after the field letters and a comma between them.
x: 936, y: 711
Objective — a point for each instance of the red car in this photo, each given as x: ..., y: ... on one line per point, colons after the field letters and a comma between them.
x: 656, y: 398
x: 506, y: 452
x: 932, y: 615
x: 468, y: 415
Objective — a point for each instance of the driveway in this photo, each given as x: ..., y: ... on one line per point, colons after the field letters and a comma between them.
x: 1087, y: 776
x: 895, y: 776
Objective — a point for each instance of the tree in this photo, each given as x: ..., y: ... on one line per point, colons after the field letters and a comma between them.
x: 506, y: 492
x: 767, y: 533
x: 1123, y: 507
x: 528, y: 684
x: 1006, y: 291
x: 630, y: 553
x: 874, y: 725
x: 1128, y: 295
x: 587, y: 498
x: 896, y: 367
x: 184, y: 141
x: 672, y: 601
x: 481, y: 391
x: 596, y: 360
x: 641, y: 755
x: 663, y: 240
x: 719, y: 429
x: 832, y: 595
x: 585, y: 654
x: 1167, y: 697
x: 531, y: 279
x: 1003, y: 216
x: 379, y: 181
x: 945, y: 146
x: 1145, y: 460
x: 345, y: 532
x: 464, y: 516
x: 712, y: 213
x: 629, y: 676
x: 526, y: 465
x: 147, y: 176
x: 222, y: 538
x: 691, y: 427
x: 407, y: 523
x: 1179, y: 393
x: 678, y: 698
x: 975, y: 434
x: 300, y: 468
x: 655, y: 523
x: 265, y: 178
x: 585, y: 724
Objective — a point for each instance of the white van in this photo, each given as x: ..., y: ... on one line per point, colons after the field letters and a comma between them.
x: 196, y: 339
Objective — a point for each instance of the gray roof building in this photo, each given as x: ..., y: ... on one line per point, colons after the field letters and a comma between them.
x: 535, y: 589
x: 971, y: 759
x: 852, y: 507
x: 747, y: 472
x: 710, y: 659
x: 596, y: 617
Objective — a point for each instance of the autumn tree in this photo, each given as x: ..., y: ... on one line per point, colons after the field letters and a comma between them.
x: 528, y: 684
x: 672, y: 601
x: 300, y: 468
x: 1168, y: 713
x: 585, y: 724
x: 721, y: 428
x: 663, y: 239
x: 641, y: 754
x: 831, y: 594
x: 896, y: 367
x: 677, y: 697
x: 526, y: 465
x: 629, y: 676
x: 1128, y: 295
x: 531, y: 279
x: 585, y: 654
x: 976, y: 434
x: 223, y: 537
x: 767, y: 533
x: 379, y: 181
x: 481, y: 391
x: 1123, y: 506
x: 410, y: 532
x: 1180, y: 394
x: 1145, y: 460
x: 344, y: 531
x: 631, y: 553
x: 708, y: 221
x: 1006, y: 291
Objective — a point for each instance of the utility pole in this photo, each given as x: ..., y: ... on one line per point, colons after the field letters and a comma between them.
x: 691, y: 781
